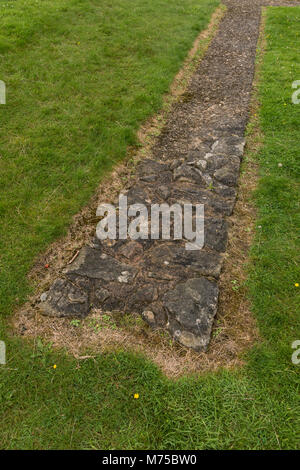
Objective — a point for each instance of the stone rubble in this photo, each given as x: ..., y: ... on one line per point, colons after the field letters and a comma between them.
x: 169, y: 286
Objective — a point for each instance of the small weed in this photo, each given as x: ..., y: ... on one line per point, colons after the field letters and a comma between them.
x: 235, y: 285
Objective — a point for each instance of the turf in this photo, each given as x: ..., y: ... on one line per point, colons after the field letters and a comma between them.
x: 91, y: 405
x: 81, y: 76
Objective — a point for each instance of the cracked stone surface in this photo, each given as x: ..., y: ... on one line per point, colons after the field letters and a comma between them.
x: 191, y: 308
x: 195, y: 160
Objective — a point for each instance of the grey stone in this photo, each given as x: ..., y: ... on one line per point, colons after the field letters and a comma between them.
x: 93, y: 264
x: 155, y: 315
x: 229, y: 145
x: 150, y: 167
x: 201, y: 164
x: 149, y: 178
x: 215, y: 234
x: 191, y: 308
x: 44, y: 296
x: 65, y: 299
x: 224, y: 191
x: 141, y: 297
x: 227, y: 175
x: 176, y: 163
x: 198, y: 148
x: 222, y: 206
x: 137, y: 195
x: 200, y: 262
x: 149, y: 317
x: 190, y: 340
x: 191, y: 194
x: 163, y: 191
x: 151, y: 171
x: 215, y: 162
x: 188, y: 173
x: 124, y: 277
x: 161, y: 275
x: 173, y: 256
x: 131, y: 249
x: 101, y: 294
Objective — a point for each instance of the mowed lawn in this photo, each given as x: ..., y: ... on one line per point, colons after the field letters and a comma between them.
x: 59, y: 132
x: 81, y: 75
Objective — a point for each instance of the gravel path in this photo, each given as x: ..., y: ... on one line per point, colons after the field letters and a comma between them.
x: 195, y: 160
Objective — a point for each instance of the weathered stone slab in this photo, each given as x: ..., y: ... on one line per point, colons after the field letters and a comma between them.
x: 188, y: 173
x: 95, y: 264
x: 175, y: 258
x: 187, y: 193
x: 65, y: 299
x: 216, y: 234
x: 231, y: 145
x: 191, y: 308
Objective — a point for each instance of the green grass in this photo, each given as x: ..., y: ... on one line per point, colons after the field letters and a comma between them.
x: 92, y: 406
x: 81, y: 76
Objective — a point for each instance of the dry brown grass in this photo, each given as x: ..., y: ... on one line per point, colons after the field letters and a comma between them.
x: 235, y: 328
